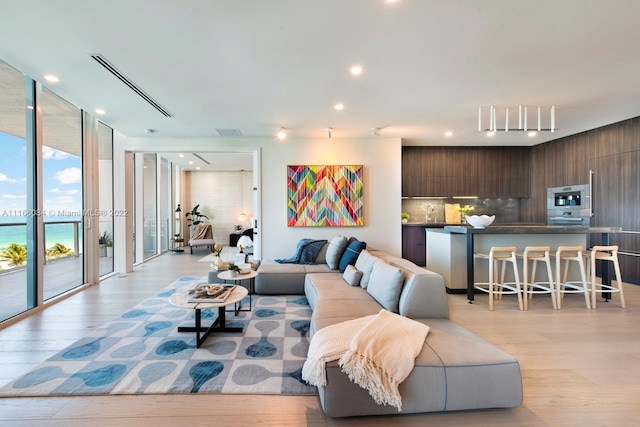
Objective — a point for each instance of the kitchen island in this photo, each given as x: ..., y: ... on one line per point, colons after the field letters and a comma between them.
x: 450, y: 249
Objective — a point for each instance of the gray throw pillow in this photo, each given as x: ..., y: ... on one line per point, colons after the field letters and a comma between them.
x: 352, y: 275
x: 385, y: 285
x: 365, y: 264
x: 322, y: 255
x: 334, y: 251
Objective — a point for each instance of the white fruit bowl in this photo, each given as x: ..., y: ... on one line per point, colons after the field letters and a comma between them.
x: 480, y: 221
x: 244, y: 268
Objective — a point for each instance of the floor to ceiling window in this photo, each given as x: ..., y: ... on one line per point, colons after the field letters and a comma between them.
x: 164, y: 203
x: 41, y: 194
x: 150, y: 205
x: 13, y: 205
x: 62, y: 194
x: 105, y: 178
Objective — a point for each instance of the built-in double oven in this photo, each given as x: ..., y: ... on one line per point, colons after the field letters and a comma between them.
x: 570, y: 205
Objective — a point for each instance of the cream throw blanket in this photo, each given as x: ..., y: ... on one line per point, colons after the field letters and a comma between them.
x: 200, y: 231
x: 377, y: 352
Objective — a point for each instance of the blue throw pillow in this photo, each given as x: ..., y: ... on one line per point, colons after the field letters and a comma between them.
x: 351, y: 252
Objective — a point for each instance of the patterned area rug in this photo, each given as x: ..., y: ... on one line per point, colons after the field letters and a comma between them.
x: 142, y: 352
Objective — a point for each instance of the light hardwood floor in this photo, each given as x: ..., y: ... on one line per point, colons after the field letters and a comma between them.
x: 580, y: 367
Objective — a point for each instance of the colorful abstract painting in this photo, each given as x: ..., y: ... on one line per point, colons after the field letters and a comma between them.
x: 324, y: 196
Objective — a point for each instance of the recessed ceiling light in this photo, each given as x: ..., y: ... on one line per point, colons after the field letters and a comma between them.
x: 532, y: 133
x: 190, y: 162
x: 180, y: 155
x: 282, y: 133
x: 198, y: 167
x: 100, y: 111
x: 339, y: 107
x: 491, y: 133
x: 356, y: 70
x: 448, y: 134
x: 51, y: 78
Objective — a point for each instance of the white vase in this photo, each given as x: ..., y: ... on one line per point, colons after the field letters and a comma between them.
x: 217, y: 261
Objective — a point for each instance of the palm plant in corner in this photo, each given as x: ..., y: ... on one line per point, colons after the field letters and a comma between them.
x: 194, y: 216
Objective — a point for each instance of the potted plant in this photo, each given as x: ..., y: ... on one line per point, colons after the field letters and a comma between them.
x: 103, y: 239
x: 405, y: 217
x: 464, y: 211
x: 194, y: 216
x: 238, y: 228
x: 233, y: 268
x: 109, y: 246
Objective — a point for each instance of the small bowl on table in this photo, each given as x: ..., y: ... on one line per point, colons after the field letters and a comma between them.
x: 480, y: 221
x: 244, y: 267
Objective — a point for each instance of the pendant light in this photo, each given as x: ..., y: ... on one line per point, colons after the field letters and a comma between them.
x: 243, y: 216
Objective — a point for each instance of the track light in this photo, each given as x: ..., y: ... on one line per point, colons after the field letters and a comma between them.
x: 375, y: 131
x: 329, y: 129
x: 282, y: 133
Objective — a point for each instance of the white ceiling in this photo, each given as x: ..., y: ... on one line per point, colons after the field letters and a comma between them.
x: 257, y: 65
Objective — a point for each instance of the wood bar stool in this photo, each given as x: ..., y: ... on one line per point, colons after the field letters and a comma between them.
x: 605, y: 254
x: 564, y: 286
x: 532, y: 286
x: 500, y: 255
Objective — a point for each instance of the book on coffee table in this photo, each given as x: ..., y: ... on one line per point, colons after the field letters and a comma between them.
x: 221, y: 267
x: 216, y: 296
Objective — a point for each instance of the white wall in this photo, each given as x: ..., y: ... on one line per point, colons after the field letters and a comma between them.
x: 381, y: 158
x: 221, y: 199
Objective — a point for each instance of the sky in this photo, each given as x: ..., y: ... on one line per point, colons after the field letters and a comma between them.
x: 62, y: 183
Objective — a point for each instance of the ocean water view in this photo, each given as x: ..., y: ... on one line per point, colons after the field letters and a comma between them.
x: 56, y: 231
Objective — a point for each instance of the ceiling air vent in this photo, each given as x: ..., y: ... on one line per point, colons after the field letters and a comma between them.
x: 202, y: 159
x: 229, y: 132
x: 113, y: 70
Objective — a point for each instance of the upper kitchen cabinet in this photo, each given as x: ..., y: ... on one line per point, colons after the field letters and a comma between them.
x: 487, y: 172
x: 437, y: 171
x: 505, y: 172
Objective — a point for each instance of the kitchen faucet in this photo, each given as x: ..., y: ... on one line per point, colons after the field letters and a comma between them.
x: 431, y: 209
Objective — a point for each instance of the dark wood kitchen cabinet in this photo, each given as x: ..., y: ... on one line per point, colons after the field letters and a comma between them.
x: 504, y: 172
x: 414, y: 244
x: 487, y: 172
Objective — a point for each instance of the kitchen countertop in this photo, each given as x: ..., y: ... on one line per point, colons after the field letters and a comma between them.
x: 529, y: 229
x: 426, y: 224
x: 459, y: 224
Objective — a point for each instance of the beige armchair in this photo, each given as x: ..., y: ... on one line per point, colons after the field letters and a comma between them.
x: 202, y: 235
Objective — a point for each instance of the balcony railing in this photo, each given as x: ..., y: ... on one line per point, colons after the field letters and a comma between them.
x: 64, y: 232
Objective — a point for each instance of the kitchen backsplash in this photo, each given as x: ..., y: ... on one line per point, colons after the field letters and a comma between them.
x: 507, y: 211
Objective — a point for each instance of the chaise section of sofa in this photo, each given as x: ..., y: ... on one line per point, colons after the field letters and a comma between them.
x: 456, y: 370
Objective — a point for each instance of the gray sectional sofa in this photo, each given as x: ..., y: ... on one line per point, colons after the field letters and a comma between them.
x: 456, y: 370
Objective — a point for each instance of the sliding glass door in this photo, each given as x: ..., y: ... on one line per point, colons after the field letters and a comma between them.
x: 150, y: 204
x: 105, y: 183
x: 13, y: 188
x: 61, y: 194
